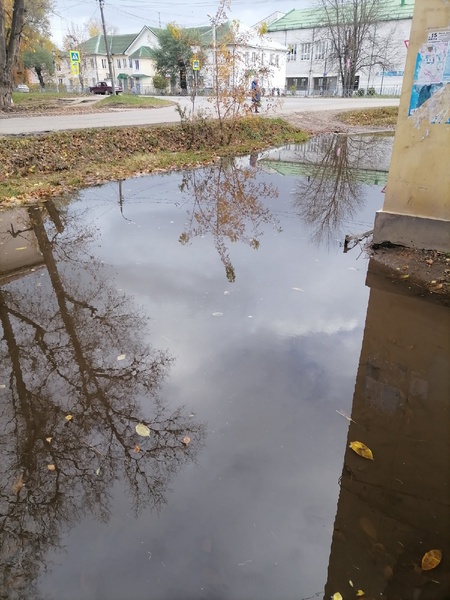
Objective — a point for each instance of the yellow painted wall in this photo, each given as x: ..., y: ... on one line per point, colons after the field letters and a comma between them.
x: 419, y: 178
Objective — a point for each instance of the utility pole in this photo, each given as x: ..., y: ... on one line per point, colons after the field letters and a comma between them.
x: 108, y: 53
x: 214, y: 49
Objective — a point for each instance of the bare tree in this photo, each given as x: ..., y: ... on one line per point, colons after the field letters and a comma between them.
x: 356, y: 38
x: 332, y: 192
x: 69, y: 408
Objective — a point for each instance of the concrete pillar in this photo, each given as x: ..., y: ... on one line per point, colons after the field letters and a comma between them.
x: 416, y: 211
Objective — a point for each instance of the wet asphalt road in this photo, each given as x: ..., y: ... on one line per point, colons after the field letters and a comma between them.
x: 127, y: 117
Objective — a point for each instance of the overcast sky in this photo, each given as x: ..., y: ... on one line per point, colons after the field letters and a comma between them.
x: 129, y: 16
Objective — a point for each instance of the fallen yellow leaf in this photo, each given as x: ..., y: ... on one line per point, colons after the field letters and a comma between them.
x: 359, y: 593
x: 136, y: 449
x: 362, y: 450
x: 431, y: 559
x: 18, y: 484
x: 337, y: 596
x: 142, y: 430
x: 51, y: 467
x: 436, y: 287
x: 69, y: 417
x: 404, y: 276
x: 368, y: 527
x: 186, y: 440
x: 48, y: 439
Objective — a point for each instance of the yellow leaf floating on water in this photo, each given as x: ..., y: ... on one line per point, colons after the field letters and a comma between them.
x: 431, y: 559
x: 142, y: 430
x: 368, y: 527
x: 361, y: 449
x: 359, y: 593
x: 350, y: 582
x: 337, y: 596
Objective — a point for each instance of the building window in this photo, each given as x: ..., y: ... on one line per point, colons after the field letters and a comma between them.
x: 320, y: 50
x: 246, y: 59
x: 92, y: 63
x: 272, y: 59
x: 292, y: 52
x: 254, y: 58
x: 130, y: 63
x: 60, y: 81
x: 305, y: 51
x: 119, y: 63
x: 298, y: 83
x: 136, y: 65
x: 103, y: 63
x: 277, y: 60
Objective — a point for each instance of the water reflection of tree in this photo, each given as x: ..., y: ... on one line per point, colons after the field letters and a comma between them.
x: 332, y: 191
x: 58, y: 357
x: 228, y: 204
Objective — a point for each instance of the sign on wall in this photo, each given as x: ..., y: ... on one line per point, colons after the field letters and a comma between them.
x: 431, y: 85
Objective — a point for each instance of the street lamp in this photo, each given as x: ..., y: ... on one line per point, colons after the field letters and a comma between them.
x: 213, y: 25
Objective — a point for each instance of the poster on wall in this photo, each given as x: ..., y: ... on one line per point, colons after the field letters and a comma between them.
x: 430, y: 95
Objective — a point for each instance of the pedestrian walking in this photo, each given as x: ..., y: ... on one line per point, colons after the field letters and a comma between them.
x: 256, y: 94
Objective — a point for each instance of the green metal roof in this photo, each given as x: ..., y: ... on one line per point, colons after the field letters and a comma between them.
x: 142, y: 52
x: 306, y: 18
x: 117, y: 44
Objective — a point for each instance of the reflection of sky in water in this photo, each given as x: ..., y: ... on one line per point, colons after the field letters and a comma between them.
x: 253, y: 518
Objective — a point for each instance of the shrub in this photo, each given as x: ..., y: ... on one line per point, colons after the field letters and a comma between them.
x: 160, y: 82
x: 371, y: 91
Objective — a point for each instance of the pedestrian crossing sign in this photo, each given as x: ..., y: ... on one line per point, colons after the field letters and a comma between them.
x: 74, y: 56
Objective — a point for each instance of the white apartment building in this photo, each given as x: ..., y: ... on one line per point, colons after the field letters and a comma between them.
x: 311, y: 67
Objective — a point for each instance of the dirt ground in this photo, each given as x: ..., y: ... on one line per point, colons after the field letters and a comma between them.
x: 322, y: 121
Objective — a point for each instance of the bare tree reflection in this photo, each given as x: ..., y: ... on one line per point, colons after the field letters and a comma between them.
x: 332, y: 192
x: 228, y: 204
x: 69, y: 407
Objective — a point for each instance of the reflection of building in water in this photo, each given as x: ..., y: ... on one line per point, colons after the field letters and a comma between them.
x: 367, y: 155
x: 394, y: 509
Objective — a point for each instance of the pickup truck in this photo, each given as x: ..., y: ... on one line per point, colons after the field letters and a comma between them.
x: 103, y: 87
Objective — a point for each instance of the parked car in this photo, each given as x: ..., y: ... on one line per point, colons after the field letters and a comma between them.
x: 23, y: 88
x: 104, y: 87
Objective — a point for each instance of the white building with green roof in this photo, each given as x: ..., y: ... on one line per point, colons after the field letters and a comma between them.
x: 312, y: 62
x: 133, y: 67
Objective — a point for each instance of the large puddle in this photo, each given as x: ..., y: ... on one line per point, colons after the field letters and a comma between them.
x: 184, y: 362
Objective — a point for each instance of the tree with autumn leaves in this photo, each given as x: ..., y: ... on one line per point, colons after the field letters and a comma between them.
x: 22, y: 24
